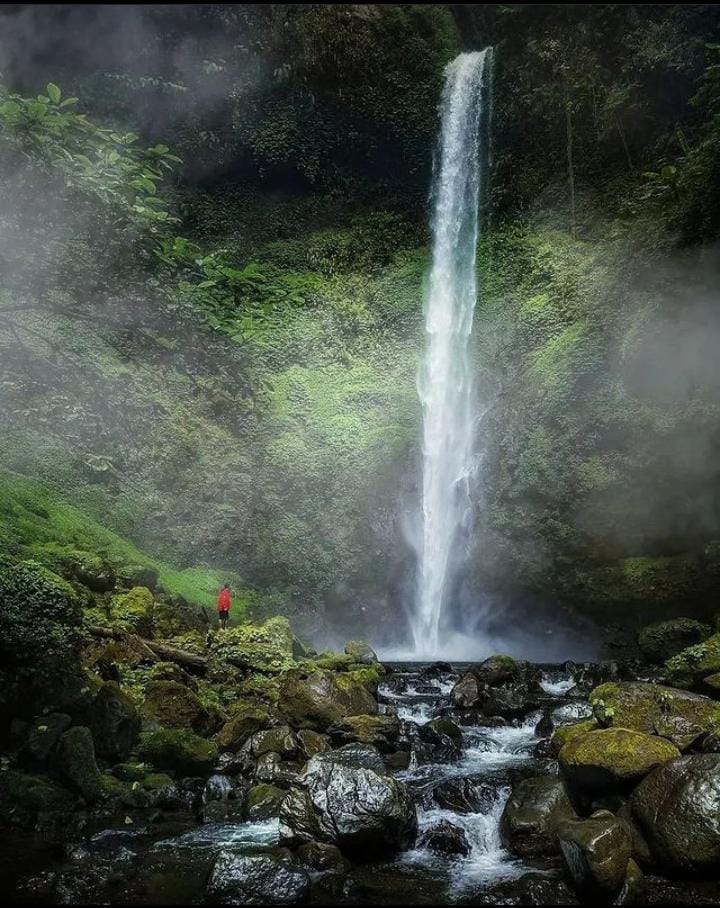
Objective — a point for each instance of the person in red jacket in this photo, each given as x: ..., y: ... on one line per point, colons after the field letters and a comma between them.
x: 223, y: 605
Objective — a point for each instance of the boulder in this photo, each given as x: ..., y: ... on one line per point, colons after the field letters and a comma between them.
x: 677, y: 808
x: 24, y: 797
x: 134, y: 610
x: 365, y: 813
x: 272, y: 769
x: 361, y: 652
x: 565, y: 733
x: 179, y: 750
x: 380, y: 731
x: 263, y: 802
x: 176, y: 706
x: 312, y: 743
x: 42, y: 737
x: 462, y: 795
x: 445, y: 839
x: 76, y: 762
x: 500, y: 669
x: 612, y: 760
x: 649, y: 707
x: 114, y: 722
x: 689, y: 667
x: 597, y: 852
x: 322, y: 857
x: 133, y: 575
x: 174, y: 616
x: 280, y: 740
x: 529, y: 821
x: 324, y: 698
x: 659, y: 642
x: 466, y: 692
x: 446, y: 728
x: 265, y: 648
x: 91, y: 571
x: 244, y: 724
x: 256, y: 879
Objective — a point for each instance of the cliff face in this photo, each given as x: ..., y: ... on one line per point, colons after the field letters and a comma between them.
x: 240, y: 390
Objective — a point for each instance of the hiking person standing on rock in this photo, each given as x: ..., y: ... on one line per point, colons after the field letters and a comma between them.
x: 223, y: 605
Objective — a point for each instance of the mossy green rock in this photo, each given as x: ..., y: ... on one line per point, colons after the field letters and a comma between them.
x: 323, y: 698
x: 76, y: 762
x: 696, y: 662
x: 265, y: 648
x: 380, y: 731
x: 263, y: 802
x: 178, y: 750
x: 565, y: 733
x: 176, y: 706
x: 23, y: 797
x: 242, y: 726
x: 134, y: 610
x: 176, y: 616
x: 114, y: 722
x: 43, y: 736
x: 654, y: 708
x: 612, y: 759
x: 659, y: 642
x: 361, y: 652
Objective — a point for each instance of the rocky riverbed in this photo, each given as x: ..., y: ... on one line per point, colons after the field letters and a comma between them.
x: 499, y: 783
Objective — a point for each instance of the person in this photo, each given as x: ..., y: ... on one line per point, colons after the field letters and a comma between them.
x: 223, y: 605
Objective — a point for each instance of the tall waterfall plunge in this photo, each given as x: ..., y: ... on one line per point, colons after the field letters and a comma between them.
x: 445, y: 382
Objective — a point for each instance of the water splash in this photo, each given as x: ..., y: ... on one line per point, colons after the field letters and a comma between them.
x: 445, y: 384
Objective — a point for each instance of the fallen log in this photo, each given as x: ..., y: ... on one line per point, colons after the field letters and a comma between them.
x: 153, y: 650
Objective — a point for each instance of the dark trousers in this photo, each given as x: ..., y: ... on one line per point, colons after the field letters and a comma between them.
x: 223, y: 618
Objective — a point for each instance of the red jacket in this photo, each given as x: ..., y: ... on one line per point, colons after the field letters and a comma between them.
x: 223, y: 603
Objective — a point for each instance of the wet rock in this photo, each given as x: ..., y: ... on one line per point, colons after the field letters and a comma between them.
x: 178, y: 750
x: 647, y: 707
x: 464, y: 796
x: 312, y: 743
x: 24, y: 797
x: 689, y: 667
x: 466, y: 692
x: 322, y: 857
x: 677, y: 808
x: 597, y: 852
x: 243, y: 725
x: 361, y: 652
x: 447, y: 729
x: 263, y: 802
x: 176, y: 706
x: 363, y: 812
x: 379, y: 731
x: 114, y: 722
x: 565, y: 733
x: 545, y: 726
x: 433, y: 745
x: 501, y: 669
x: 221, y: 800
x: 529, y: 822
x: 531, y: 889
x: 276, y: 771
x: 445, y: 839
x: 612, y: 759
x: 436, y: 670
x: 512, y: 699
x: 76, y: 762
x: 42, y: 737
x: 324, y: 698
x: 267, y: 648
x: 280, y: 740
x: 659, y: 642
x: 257, y: 879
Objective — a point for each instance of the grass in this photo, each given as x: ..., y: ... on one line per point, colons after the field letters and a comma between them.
x: 39, y: 524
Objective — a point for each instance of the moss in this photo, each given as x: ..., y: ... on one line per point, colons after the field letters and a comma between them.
x: 134, y: 610
x: 178, y: 750
x: 565, y: 733
x: 76, y: 762
x: 23, y: 797
x: 175, y: 706
x: 609, y: 758
x: 665, y: 639
x: 649, y: 707
x: 695, y: 662
x: 267, y: 647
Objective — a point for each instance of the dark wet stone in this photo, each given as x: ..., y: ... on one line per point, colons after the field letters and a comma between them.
x: 677, y: 808
x: 531, y: 889
x: 464, y: 796
x: 263, y: 802
x: 363, y: 812
x: 534, y: 810
x: 42, y: 737
x: 322, y: 857
x: 272, y: 769
x: 257, y: 879
x: 445, y: 839
x: 436, y: 670
x: 597, y: 852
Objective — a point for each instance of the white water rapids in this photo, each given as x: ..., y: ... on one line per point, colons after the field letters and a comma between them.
x: 445, y: 382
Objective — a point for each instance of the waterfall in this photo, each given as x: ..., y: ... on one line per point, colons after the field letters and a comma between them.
x: 445, y: 382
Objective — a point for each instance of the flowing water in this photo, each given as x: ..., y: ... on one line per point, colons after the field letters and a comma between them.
x: 445, y: 382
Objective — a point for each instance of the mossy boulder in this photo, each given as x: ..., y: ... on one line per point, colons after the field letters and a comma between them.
x: 500, y: 669
x: 280, y: 740
x: 323, y: 698
x: 565, y: 733
x: 361, y: 652
x: 242, y: 726
x: 655, y: 709
x: 263, y: 802
x: 77, y: 764
x: 690, y: 666
x: 90, y: 570
x: 134, y: 575
x: 266, y: 647
x: 178, y: 750
x: 380, y: 731
x: 133, y: 610
x: 659, y: 642
x: 312, y: 743
x: 23, y: 797
x: 114, y: 722
x: 176, y: 706
x: 42, y: 738
x: 612, y: 759
x: 177, y: 616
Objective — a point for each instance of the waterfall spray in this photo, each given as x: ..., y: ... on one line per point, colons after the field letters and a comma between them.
x: 445, y: 382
